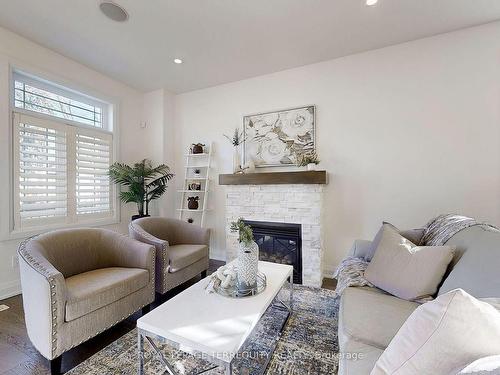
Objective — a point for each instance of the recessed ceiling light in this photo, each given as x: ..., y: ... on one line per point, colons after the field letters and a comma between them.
x: 178, y: 61
x: 113, y: 11
x: 371, y: 2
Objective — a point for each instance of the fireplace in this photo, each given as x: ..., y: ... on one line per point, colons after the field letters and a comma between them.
x: 279, y: 243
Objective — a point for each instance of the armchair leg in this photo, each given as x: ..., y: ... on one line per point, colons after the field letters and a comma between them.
x: 203, y: 274
x: 55, y: 365
x: 146, y: 309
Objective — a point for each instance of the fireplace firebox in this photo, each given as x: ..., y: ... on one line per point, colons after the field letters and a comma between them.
x: 279, y: 243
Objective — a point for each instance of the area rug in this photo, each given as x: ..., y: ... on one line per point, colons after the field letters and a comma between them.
x: 305, y: 344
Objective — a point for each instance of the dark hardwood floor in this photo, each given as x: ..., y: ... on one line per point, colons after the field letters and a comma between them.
x: 19, y: 357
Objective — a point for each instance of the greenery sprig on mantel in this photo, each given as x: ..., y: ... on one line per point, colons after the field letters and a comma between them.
x: 245, y: 232
x: 307, y: 158
x: 237, y: 138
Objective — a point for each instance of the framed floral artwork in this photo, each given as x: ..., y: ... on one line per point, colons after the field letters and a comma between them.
x: 276, y: 138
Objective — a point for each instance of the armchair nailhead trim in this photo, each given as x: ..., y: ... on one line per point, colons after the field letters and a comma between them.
x: 23, y: 252
x: 142, y: 233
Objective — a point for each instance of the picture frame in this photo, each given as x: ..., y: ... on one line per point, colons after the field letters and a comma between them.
x: 276, y: 138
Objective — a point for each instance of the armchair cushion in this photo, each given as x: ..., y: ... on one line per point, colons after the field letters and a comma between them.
x: 89, y: 291
x: 182, y: 256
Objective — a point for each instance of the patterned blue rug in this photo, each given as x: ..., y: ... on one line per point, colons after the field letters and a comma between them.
x: 307, y: 345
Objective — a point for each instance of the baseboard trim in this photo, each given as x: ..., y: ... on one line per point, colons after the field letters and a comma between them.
x: 10, y: 289
x: 329, y: 270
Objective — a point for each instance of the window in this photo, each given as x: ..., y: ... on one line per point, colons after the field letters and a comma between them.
x: 62, y: 153
x: 38, y: 96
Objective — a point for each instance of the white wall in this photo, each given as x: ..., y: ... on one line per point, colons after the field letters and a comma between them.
x: 135, y: 142
x: 406, y: 132
x: 158, y: 121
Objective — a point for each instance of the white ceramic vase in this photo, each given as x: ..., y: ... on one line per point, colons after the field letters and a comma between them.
x: 236, y: 159
x: 247, y: 266
x: 311, y: 167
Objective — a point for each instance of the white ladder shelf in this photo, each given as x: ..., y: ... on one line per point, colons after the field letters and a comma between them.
x: 201, y: 162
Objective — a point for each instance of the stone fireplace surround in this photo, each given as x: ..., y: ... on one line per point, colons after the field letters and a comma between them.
x: 287, y: 203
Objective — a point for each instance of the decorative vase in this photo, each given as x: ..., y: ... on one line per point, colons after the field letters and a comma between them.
x: 197, y: 148
x: 193, y: 204
x: 194, y: 186
x: 247, y: 267
x: 236, y: 160
x: 311, y: 167
x: 250, y: 166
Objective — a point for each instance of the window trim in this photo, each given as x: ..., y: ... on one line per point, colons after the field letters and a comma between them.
x: 113, y: 111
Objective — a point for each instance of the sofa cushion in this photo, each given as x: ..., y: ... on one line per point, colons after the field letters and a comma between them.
x: 413, y: 235
x: 371, y: 316
x: 357, y: 358
x: 182, y: 256
x: 485, y: 366
x: 408, y: 271
x: 89, y: 291
x: 477, y: 270
x: 442, y: 337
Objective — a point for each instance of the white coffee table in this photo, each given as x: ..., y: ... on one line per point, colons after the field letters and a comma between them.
x: 210, y: 326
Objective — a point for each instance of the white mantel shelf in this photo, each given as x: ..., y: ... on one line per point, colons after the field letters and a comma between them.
x: 275, y: 178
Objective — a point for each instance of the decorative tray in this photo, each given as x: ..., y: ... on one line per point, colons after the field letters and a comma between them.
x: 234, y: 292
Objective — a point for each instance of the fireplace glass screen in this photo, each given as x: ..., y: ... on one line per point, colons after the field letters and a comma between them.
x: 279, y: 243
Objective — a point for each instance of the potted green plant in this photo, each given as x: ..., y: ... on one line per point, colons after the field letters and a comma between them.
x: 309, y: 160
x: 144, y: 182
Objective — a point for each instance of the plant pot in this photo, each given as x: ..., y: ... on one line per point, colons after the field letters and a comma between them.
x: 312, y: 167
x: 247, y: 267
x: 236, y: 160
x: 135, y: 217
x: 193, y: 205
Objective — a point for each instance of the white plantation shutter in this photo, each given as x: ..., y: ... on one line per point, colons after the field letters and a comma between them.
x: 93, y: 158
x: 40, y: 173
x: 60, y: 173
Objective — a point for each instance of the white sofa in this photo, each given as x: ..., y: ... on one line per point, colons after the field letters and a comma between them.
x: 369, y: 318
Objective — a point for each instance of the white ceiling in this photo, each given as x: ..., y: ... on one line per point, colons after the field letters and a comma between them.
x: 228, y: 40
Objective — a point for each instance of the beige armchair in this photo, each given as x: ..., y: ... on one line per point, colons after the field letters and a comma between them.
x: 77, y: 283
x: 181, y: 249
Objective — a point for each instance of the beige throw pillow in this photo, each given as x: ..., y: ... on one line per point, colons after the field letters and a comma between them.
x: 442, y: 337
x: 405, y: 270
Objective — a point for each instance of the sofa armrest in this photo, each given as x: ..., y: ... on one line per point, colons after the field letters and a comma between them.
x: 189, y: 234
x: 44, y: 298
x: 361, y: 249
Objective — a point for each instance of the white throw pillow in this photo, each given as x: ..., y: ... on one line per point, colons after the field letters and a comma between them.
x: 443, y: 336
x: 406, y: 270
x: 484, y: 366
